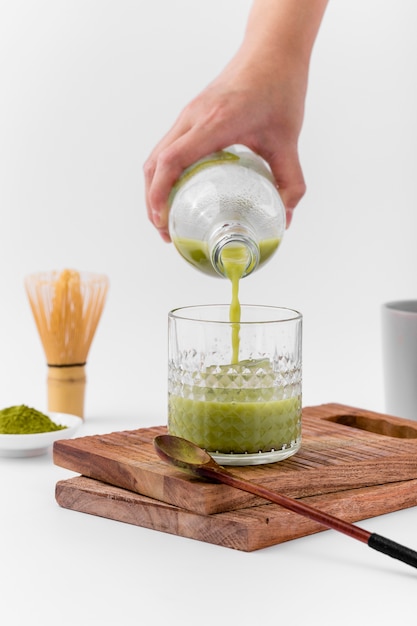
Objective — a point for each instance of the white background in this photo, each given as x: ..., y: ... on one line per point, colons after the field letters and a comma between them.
x: 87, y: 87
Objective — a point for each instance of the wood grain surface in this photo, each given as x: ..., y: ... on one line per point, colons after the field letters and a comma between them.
x: 247, y: 529
x: 343, y: 448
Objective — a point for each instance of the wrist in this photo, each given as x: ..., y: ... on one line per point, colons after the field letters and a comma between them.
x: 283, y: 31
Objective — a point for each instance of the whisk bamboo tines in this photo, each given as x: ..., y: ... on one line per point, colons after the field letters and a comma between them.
x: 67, y: 307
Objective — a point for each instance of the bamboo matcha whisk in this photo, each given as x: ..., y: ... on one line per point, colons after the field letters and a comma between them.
x: 67, y: 307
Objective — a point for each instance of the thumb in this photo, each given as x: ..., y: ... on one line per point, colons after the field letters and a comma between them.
x: 290, y: 181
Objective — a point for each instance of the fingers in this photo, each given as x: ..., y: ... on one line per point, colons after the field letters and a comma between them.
x: 161, y: 173
x: 204, y: 126
x: 195, y: 135
x: 290, y: 180
x: 153, y: 163
x: 163, y: 169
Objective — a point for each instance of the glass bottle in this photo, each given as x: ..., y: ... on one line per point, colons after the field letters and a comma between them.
x: 227, y: 205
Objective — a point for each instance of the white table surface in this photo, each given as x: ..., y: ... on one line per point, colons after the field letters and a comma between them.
x: 63, y: 567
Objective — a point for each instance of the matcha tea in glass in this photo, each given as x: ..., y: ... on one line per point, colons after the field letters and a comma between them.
x: 234, y: 389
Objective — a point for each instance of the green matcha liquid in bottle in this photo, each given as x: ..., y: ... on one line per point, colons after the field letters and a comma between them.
x: 226, y: 209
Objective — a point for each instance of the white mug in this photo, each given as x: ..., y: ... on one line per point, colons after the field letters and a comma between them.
x: 399, y: 350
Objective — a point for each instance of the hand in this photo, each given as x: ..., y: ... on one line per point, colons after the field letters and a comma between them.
x: 243, y: 107
x: 258, y: 101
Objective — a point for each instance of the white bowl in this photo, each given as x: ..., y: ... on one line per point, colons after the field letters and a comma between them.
x: 38, y: 443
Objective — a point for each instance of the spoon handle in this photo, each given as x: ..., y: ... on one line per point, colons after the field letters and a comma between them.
x: 373, y: 540
x: 393, y: 549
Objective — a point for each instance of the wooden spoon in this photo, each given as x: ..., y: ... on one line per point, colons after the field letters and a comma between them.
x: 189, y: 457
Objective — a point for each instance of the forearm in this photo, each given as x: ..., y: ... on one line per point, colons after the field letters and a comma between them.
x: 282, y: 30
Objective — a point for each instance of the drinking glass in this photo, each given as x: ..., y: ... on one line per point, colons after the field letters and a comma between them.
x: 234, y: 389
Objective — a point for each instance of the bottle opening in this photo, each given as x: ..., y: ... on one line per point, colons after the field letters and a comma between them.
x: 234, y: 254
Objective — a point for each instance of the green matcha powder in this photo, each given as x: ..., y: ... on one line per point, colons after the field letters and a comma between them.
x: 23, y: 420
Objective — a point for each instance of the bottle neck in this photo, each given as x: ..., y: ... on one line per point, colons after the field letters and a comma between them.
x: 233, y: 248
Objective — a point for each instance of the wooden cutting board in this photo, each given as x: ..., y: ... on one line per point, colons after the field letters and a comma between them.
x: 342, y: 448
x: 352, y: 463
x: 247, y: 529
